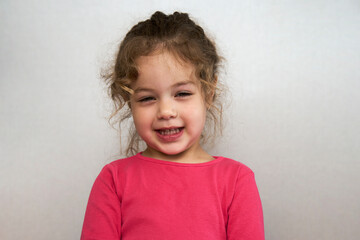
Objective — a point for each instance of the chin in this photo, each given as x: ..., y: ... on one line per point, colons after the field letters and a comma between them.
x: 172, y: 152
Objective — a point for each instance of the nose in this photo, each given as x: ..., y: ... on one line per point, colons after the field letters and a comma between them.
x: 166, y: 110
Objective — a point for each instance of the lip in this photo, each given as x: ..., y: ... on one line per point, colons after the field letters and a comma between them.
x: 169, y: 137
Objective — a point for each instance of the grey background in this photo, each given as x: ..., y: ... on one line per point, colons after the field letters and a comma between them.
x: 293, y: 72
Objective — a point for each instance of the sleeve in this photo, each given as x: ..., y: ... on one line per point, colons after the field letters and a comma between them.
x: 245, y: 216
x: 103, y: 214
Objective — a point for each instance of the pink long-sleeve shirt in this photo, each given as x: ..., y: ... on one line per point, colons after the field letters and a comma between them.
x: 144, y: 198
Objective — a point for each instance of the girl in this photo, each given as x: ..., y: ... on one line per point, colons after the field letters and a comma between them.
x: 165, y: 77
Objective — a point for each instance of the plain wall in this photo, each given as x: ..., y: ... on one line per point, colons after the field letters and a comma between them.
x: 293, y: 72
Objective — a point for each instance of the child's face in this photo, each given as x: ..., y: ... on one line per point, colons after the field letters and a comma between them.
x: 168, y: 107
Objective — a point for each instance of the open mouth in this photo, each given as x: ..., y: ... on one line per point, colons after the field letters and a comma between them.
x: 169, y: 131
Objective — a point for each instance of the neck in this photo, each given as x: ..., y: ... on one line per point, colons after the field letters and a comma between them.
x: 198, y: 156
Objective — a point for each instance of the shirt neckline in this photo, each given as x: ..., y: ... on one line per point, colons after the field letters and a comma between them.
x: 159, y: 161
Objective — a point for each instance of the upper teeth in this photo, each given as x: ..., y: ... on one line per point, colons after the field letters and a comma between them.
x: 169, y: 131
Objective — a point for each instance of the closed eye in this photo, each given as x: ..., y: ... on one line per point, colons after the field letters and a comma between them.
x: 146, y: 99
x: 183, y: 94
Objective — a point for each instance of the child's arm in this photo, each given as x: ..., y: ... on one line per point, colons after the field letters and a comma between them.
x: 103, y: 215
x: 245, y: 213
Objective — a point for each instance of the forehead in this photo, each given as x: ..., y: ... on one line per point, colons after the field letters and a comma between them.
x: 164, y: 66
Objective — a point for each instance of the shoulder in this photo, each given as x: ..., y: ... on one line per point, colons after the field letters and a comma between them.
x: 115, y: 174
x: 121, y: 165
x: 123, y: 162
x: 228, y: 164
x: 116, y: 168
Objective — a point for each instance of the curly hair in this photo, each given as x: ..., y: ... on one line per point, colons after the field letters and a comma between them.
x: 182, y: 37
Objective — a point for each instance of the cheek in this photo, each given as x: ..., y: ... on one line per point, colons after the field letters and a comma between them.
x: 143, y: 128
x: 142, y: 119
x: 196, y: 117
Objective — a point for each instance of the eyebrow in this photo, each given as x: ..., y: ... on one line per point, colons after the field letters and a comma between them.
x: 141, y: 89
